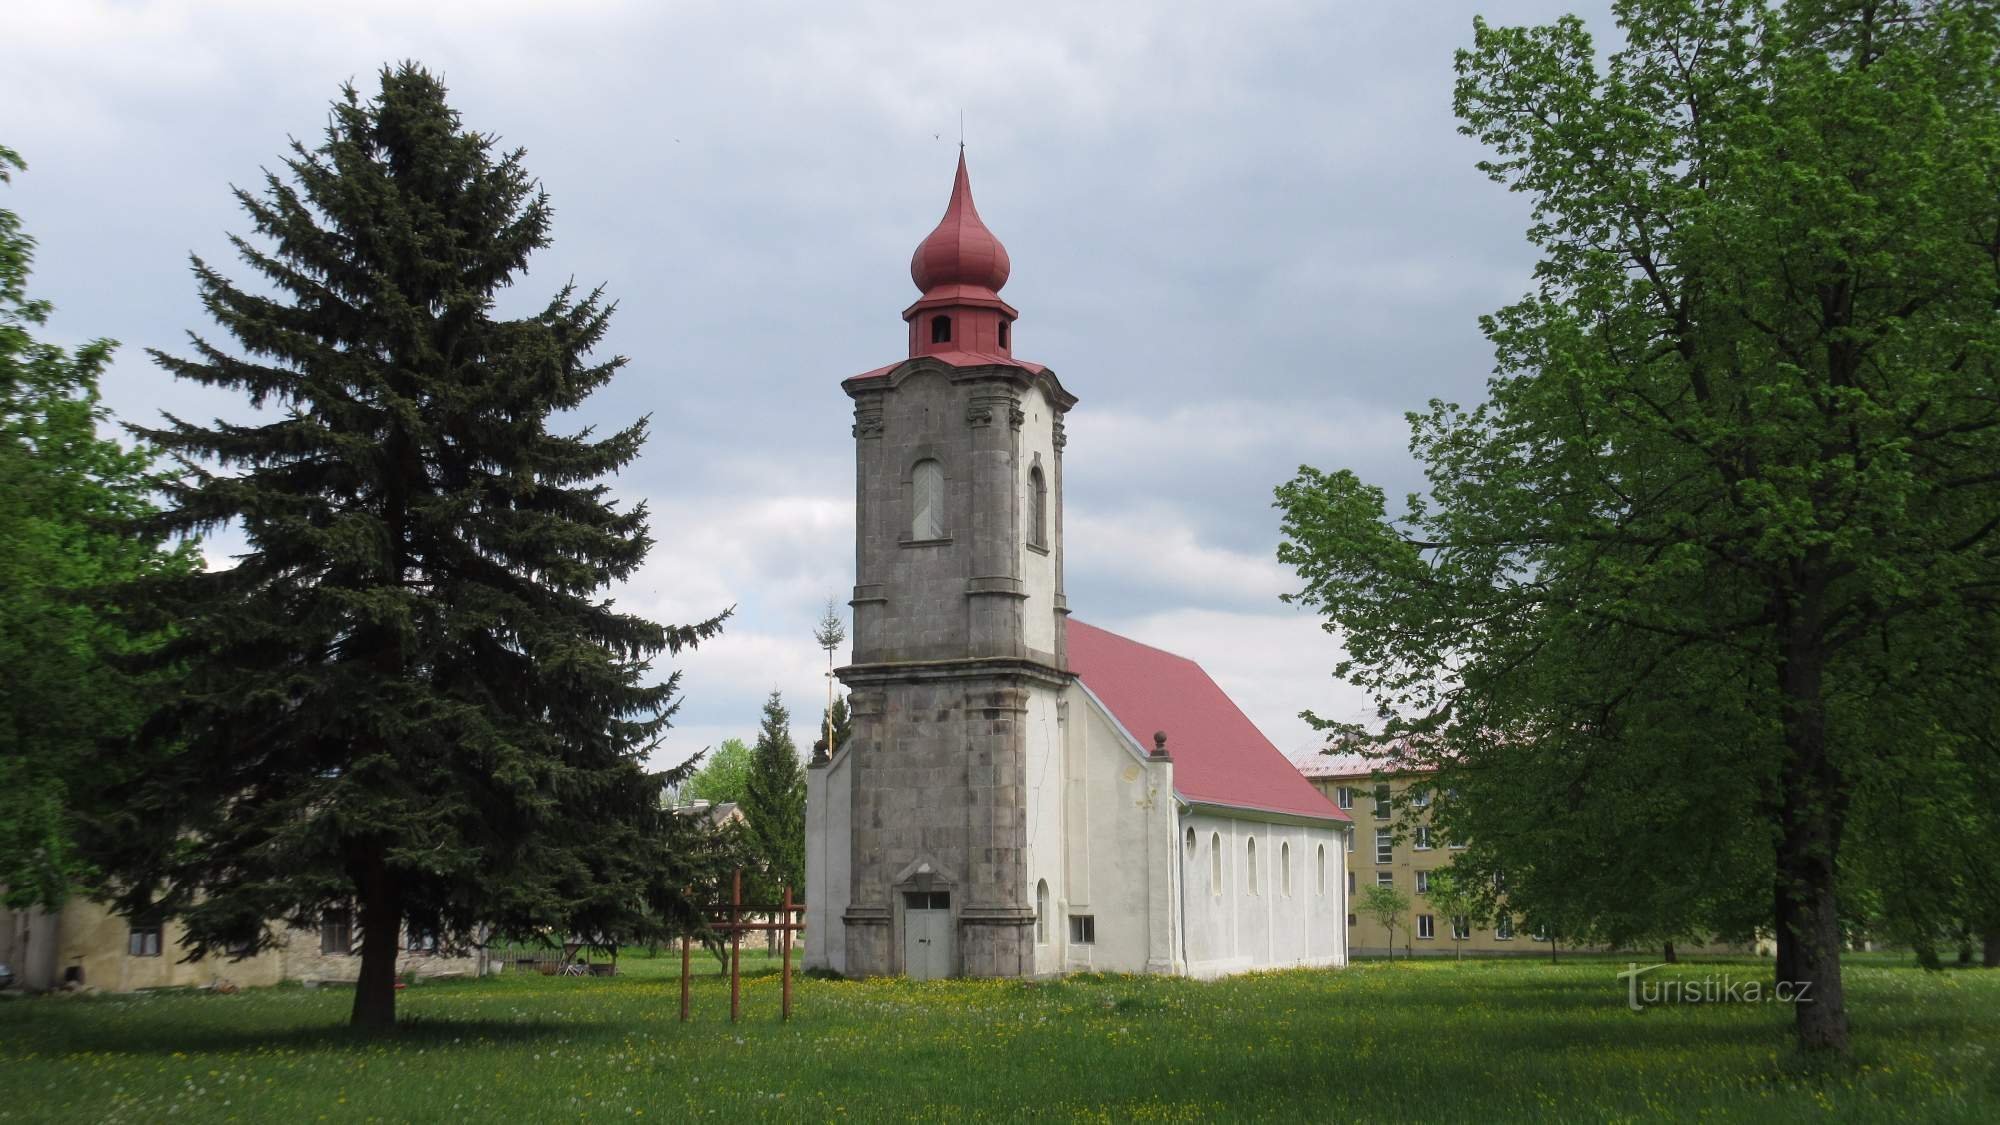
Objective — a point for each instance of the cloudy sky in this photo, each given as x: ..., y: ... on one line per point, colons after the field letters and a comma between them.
x: 1247, y: 235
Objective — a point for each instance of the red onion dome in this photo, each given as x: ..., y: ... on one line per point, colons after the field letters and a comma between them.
x: 961, y: 251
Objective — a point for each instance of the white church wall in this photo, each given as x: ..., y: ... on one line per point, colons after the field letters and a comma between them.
x: 829, y: 857
x: 1234, y: 926
x: 1038, y: 568
x: 1048, y: 733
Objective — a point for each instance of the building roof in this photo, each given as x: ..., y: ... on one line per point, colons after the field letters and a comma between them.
x: 1352, y: 765
x: 1220, y: 757
x: 961, y: 251
x: 955, y: 359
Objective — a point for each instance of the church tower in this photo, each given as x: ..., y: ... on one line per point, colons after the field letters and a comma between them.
x: 958, y: 662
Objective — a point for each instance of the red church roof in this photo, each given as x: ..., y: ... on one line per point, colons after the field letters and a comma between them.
x: 1220, y: 757
x: 961, y: 251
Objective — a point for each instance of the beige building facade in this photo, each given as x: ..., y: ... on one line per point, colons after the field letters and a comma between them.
x: 85, y: 945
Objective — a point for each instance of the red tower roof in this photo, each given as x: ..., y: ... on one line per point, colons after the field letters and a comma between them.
x: 961, y: 251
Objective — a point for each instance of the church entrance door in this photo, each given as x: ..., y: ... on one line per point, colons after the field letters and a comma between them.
x: 927, y: 934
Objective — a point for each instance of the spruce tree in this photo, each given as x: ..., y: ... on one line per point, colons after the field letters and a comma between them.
x: 409, y: 693
x: 775, y: 804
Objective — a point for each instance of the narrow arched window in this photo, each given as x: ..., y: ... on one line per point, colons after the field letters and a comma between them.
x: 1285, y: 868
x: 1042, y: 911
x: 1038, y: 508
x: 1250, y: 880
x: 927, y: 500
x: 1215, y: 863
x: 940, y: 330
x: 1006, y: 327
x: 1322, y: 870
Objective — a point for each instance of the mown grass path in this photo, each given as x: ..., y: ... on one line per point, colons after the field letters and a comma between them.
x: 1480, y: 1041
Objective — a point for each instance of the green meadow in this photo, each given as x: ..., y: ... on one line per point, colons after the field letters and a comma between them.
x: 1486, y: 1041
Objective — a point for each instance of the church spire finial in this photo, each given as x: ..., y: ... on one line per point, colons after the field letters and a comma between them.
x: 961, y: 251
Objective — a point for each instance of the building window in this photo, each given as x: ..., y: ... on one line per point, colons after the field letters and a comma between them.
x: 940, y: 330
x: 1350, y: 919
x: 1385, y: 845
x: 1420, y: 798
x: 1499, y: 881
x: 1042, y: 911
x: 1038, y: 508
x: 1461, y: 927
x: 1250, y: 852
x: 1344, y: 797
x: 1082, y: 929
x: 1350, y: 882
x: 1285, y: 868
x: 336, y: 932
x: 1189, y: 844
x: 1541, y: 931
x: 1503, y: 928
x: 1423, y: 837
x: 1456, y: 844
x: 1426, y: 927
x: 1006, y: 327
x: 1322, y: 869
x: 1423, y: 882
x: 927, y: 500
x: 1382, y: 801
x: 144, y: 941
x: 1350, y: 839
x: 1215, y: 863
x: 1385, y: 878
x: 421, y: 940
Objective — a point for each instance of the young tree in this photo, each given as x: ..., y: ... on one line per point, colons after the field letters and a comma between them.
x: 774, y: 804
x: 409, y: 692
x: 1452, y: 896
x: 828, y: 634
x: 1741, y: 437
x: 64, y: 494
x: 724, y: 774
x: 1386, y: 905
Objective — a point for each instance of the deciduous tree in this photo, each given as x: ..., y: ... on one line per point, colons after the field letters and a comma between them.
x: 1735, y: 481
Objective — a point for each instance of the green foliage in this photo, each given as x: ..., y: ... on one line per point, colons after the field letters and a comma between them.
x: 837, y: 721
x: 1386, y: 905
x: 64, y: 494
x: 724, y: 774
x: 410, y: 692
x: 1536, y: 1042
x: 1453, y: 896
x: 1687, y: 593
x: 774, y: 803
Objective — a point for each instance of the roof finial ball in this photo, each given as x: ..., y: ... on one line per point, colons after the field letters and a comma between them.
x: 1159, y: 744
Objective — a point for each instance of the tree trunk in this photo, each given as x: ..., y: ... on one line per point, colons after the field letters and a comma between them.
x: 381, y: 933
x: 1812, y: 808
x: 1786, y: 971
x: 1991, y: 959
x: 1669, y: 956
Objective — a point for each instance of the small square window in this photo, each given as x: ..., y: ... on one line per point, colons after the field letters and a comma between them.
x: 1350, y: 919
x: 144, y: 940
x: 1344, y: 797
x: 1423, y: 837
x: 1082, y: 929
x: 1385, y: 878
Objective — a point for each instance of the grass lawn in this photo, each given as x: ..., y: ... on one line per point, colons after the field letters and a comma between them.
x: 1487, y: 1041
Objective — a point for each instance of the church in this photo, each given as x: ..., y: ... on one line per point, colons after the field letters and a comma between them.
x: 1023, y: 794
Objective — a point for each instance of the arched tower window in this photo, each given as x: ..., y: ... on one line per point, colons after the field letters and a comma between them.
x: 1006, y: 332
x: 1042, y: 911
x: 927, y: 500
x: 1285, y: 868
x: 1190, y: 843
x: 1038, y: 508
x: 1322, y: 869
x: 1215, y: 863
x: 940, y: 330
x: 1250, y: 853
